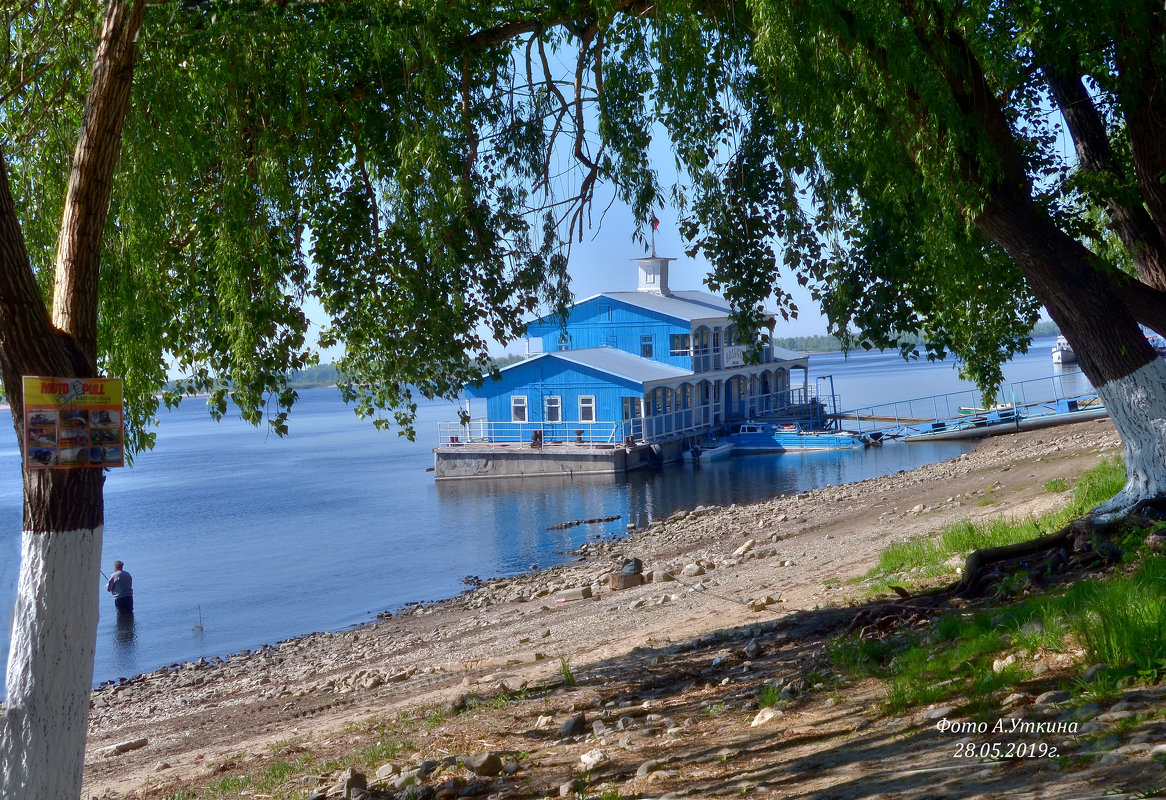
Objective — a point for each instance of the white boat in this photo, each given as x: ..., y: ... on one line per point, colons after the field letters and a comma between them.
x: 708, y: 451
x: 1063, y: 352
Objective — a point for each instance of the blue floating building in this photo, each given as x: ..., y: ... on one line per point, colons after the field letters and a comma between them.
x: 630, y: 380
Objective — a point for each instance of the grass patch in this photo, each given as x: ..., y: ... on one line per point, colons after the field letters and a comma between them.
x: 1123, y: 621
x: 917, y: 560
x: 1120, y: 620
x: 769, y: 697
x: 1056, y: 485
x: 565, y: 671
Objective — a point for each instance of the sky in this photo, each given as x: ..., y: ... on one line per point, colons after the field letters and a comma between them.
x: 602, y: 262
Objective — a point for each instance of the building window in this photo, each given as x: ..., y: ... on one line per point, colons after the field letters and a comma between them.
x: 587, y: 408
x: 681, y: 344
x: 646, y: 349
x: 716, y: 341
x: 553, y: 409
x: 633, y: 407
x: 518, y: 408
x: 564, y: 342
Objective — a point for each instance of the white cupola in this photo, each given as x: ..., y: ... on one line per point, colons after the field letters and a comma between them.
x: 653, y: 274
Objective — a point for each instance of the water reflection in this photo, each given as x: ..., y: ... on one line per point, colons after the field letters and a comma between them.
x: 516, y: 520
x: 125, y: 641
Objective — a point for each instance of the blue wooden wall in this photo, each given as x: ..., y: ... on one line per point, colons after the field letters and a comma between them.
x: 546, y: 375
x: 606, y: 322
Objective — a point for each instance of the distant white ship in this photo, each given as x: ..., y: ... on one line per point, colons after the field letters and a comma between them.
x: 1063, y: 352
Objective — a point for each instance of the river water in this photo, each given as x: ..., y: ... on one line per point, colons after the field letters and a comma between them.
x: 236, y: 538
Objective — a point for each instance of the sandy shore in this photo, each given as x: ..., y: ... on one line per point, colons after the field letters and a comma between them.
x: 771, y: 570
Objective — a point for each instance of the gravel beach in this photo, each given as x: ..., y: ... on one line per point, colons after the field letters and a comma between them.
x: 773, y: 573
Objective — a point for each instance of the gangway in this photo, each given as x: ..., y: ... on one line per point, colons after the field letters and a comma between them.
x: 961, y: 415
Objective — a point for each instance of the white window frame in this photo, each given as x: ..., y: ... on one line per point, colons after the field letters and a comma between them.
x: 553, y: 401
x: 587, y: 401
x: 518, y: 403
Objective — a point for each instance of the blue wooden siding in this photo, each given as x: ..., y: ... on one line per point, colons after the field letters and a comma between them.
x: 548, y: 376
x: 606, y: 322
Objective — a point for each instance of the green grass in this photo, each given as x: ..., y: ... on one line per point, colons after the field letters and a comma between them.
x: 1120, y: 620
x: 921, y: 559
x: 1123, y: 622
x: 770, y: 695
x: 565, y: 671
x: 1056, y: 485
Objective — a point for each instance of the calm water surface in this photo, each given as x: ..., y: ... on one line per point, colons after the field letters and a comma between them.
x: 269, y: 538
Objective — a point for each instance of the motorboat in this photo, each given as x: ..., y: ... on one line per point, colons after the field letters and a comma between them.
x: 772, y: 437
x: 1063, y: 352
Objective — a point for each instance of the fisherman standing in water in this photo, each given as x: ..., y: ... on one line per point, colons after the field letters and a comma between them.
x: 121, y: 584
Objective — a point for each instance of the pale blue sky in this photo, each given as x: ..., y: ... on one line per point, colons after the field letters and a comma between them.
x: 602, y: 262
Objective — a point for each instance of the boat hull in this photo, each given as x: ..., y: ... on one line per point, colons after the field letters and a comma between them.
x: 766, y: 438
x: 708, y: 453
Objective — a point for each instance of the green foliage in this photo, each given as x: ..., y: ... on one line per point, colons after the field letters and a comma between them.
x: 418, y: 170
x: 769, y: 696
x: 922, y: 558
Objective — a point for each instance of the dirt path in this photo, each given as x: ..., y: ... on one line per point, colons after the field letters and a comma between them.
x: 770, y: 572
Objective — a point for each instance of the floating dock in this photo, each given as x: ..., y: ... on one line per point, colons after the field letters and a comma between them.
x: 512, y: 460
x: 958, y: 415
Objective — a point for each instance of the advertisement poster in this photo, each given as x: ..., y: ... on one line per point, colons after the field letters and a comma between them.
x: 73, y: 422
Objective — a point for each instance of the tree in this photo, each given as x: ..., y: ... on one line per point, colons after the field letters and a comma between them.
x: 217, y: 142
x: 901, y: 158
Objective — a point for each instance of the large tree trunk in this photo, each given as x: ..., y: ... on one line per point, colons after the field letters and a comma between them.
x: 50, y: 662
x: 1111, y: 349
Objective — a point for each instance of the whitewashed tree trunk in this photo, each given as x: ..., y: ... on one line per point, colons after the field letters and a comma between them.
x: 1137, y: 406
x: 50, y: 666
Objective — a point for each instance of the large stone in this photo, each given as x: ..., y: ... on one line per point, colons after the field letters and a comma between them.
x: 745, y: 548
x: 618, y: 581
x: 649, y: 767
x: 122, y: 747
x: 764, y: 716
x: 582, y: 593
x: 487, y: 764
x: 592, y: 758
x: 574, y: 726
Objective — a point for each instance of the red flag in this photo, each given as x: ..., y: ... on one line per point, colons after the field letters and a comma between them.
x: 655, y: 222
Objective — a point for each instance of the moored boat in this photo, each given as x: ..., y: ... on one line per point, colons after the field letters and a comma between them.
x: 1063, y: 352
x: 708, y: 450
x: 768, y: 437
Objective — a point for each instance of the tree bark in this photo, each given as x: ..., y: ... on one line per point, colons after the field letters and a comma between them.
x: 50, y: 662
x: 1132, y: 223
x: 1111, y: 349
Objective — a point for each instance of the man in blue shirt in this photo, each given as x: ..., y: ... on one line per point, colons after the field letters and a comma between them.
x: 121, y: 584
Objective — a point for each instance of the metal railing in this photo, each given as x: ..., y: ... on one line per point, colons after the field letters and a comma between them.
x: 481, y: 431
x: 1034, y: 397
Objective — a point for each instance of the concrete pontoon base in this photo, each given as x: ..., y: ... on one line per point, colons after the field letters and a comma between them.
x: 474, y: 460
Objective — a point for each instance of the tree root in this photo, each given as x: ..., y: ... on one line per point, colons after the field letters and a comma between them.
x: 1079, y: 538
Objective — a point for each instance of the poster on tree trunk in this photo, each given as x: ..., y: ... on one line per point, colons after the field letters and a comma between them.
x: 73, y: 422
